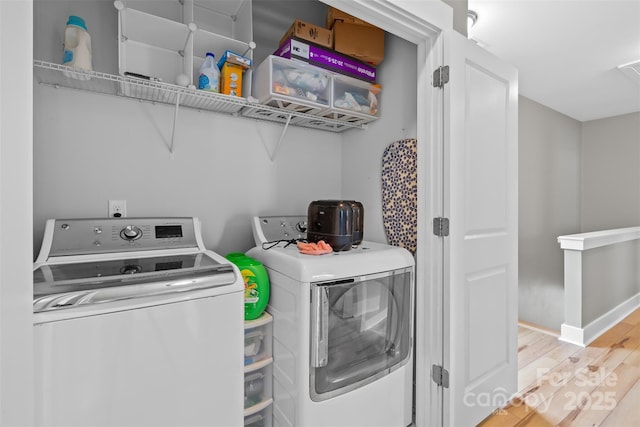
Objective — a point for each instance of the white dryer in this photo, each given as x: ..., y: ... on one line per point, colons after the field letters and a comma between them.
x: 343, y: 330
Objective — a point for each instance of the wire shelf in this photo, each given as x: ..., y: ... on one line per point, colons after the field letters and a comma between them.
x: 93, y: 81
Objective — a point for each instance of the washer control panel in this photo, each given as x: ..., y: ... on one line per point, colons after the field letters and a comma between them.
x: 102, y: 235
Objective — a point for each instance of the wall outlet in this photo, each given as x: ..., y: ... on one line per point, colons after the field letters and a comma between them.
x: 117, y: 208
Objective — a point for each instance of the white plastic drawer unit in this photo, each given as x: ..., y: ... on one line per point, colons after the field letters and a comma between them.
x: 356, y: 96
x: 257, y: 339
x: 258, y: 371
x: 292, y: 85
x: 259, y: 415
x: 258, y: 383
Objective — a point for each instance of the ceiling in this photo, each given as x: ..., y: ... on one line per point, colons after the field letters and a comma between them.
x: 567, y: 51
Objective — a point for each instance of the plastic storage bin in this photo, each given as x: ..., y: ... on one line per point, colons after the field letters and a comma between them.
x: 258, y: 383
x: 258, y: 370
x: 356, y: 96
x: 353, y: 101
x: 259, y: 415
x: 253, y: 388
x: 257, y: 339
x: 292, y: 85
x: 252, y: 346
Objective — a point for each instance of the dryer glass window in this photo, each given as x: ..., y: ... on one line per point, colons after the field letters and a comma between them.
x: 360, y: 331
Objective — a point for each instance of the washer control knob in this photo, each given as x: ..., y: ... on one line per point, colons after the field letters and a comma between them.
x: 131, y: 232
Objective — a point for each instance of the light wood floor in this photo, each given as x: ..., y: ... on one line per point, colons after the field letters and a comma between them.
x: 561, y: 384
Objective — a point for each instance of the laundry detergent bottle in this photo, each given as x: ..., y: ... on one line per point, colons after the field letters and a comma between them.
x: 77, y: 44
x: 209, y: 76
x: 256, y: 284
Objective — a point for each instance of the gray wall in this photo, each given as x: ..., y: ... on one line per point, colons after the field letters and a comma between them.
x: 574, y: 177
x: 361, y: 180
x: 90, y: 148
x: 611, y: 173
x: 549, y: 206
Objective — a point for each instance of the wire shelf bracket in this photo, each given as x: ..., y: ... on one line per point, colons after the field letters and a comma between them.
x: 57, y: 75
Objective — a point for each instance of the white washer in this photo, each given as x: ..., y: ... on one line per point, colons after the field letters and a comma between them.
x: 136, y: 324
x: 342, y: 331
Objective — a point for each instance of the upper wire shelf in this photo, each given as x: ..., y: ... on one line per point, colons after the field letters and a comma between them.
x: 93, y: 81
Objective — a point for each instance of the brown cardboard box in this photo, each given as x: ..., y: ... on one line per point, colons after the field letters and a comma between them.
x: 334, y: 14
x: 363, y: 42
x: 309, y: 32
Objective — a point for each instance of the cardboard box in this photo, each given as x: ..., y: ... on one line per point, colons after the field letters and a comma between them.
x: 234, y: 58
x: 309, y: 32
x: 334, y: 15
x: 231, y: 79
x: 327, y: 59
x: 363, y: 42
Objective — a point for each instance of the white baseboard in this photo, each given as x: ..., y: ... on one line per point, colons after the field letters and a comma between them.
x: 584, y: 336
x: 572, y: 335
x: 538, y: 328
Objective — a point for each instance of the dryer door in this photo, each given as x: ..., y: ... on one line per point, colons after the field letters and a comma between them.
x: 361, y: 330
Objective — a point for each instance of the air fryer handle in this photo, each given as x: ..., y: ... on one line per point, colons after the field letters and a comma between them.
x: 320, y: 326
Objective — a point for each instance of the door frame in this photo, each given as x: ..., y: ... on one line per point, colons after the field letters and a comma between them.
x: 423, y: 24
x: 16, y: 216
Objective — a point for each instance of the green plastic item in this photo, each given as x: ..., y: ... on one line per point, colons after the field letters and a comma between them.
x: 235, y: 255
x: 256, y: 284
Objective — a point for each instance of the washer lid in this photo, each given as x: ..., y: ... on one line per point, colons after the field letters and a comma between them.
x: 64, y: 285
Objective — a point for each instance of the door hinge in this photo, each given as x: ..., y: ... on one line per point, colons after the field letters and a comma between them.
x: 441, y: 227
x: 440, y: 376
x: 441, y: 76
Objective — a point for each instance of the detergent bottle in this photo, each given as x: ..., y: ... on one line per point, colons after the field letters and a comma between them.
x: 209, y: 76
x: 256, y: 284
x: 77, y: 47
x: 231, y: 256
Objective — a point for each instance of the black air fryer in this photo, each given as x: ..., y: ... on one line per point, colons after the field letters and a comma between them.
x: 358, y: 221
x: 337, y: 222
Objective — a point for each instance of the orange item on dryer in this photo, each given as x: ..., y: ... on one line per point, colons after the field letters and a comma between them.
x: 318, y: 248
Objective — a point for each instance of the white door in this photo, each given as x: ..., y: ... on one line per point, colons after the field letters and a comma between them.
x: 481, y: 251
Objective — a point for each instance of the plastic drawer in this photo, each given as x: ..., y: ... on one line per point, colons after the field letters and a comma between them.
x: 292, y: 85
x: 254, y: 388
x: 259, y: 415
x: 258, y: 382
x: 257, y: 339
x: 253, y: 346
x: 354, y: 101
x: 353, y: 95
